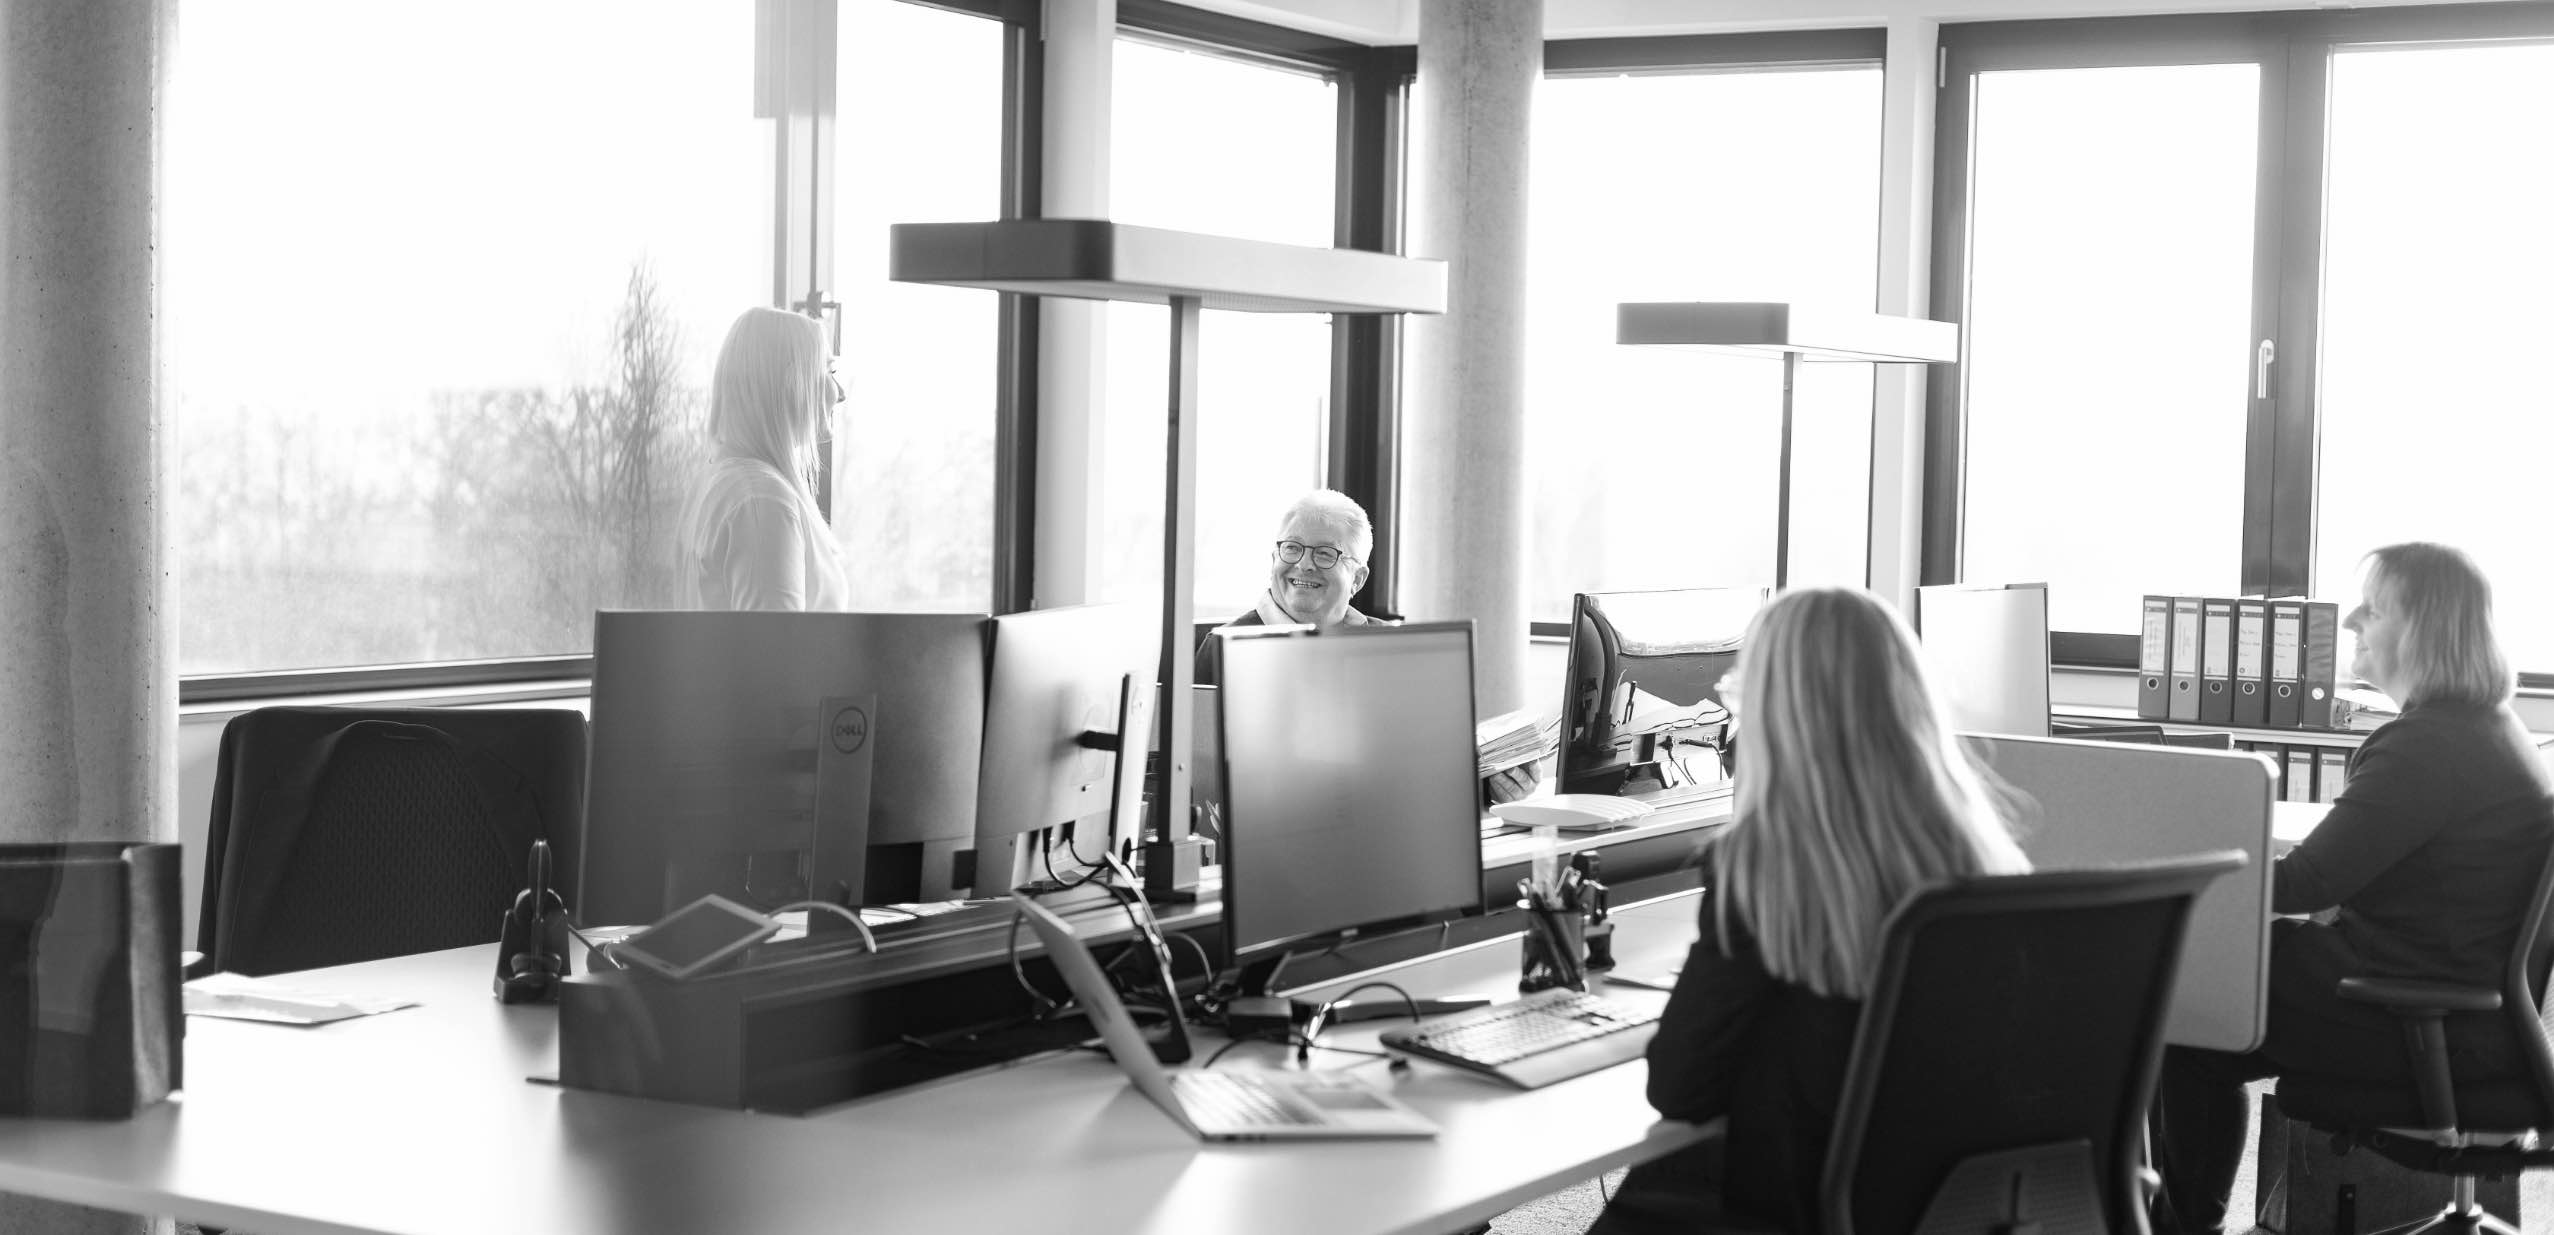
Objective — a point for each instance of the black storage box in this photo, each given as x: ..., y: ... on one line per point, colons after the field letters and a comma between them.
x: 90, y: 1015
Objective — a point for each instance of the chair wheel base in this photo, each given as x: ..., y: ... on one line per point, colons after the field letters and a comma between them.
x: 2451, y: 1222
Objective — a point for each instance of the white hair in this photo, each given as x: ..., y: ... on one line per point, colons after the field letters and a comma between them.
x: 1336, y: 507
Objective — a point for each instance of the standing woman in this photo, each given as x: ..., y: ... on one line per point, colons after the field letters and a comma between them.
x: 2428, y: 857
x: 1854, y: 793
x: 753, y: 536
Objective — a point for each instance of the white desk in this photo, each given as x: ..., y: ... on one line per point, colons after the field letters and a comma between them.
x: 420, y: 1122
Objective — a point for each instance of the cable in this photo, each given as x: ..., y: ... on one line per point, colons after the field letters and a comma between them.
x: 1406, y: 1000
x: 1046, y: 1008
x: 1205, y: 964
x: 847, y: 915
x: 593, y: 949
x: 1046, y: 854
x: 1221, y: 1051
x: 1301, y: 1044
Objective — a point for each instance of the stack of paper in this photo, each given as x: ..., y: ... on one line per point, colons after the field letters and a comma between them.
x: 1514, y: 738
x: 256, y: 999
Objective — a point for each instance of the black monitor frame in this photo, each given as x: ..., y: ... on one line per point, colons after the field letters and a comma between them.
x: 1602, y: 679
x: 1259, y: 962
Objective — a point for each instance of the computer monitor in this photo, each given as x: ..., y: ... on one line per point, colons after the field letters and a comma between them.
x: 1644, y: 681
x: 1051, y: 721
x: 1989, y: 645
x: 1350, y: 787
x: 771, y: 757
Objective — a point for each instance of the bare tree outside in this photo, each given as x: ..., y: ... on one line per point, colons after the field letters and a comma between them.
x: 526, y: 509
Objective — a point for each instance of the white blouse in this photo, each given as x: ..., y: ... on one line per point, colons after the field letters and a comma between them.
x: 755, y: 541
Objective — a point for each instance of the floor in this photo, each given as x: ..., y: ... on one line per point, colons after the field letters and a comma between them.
x: 1568, y: 1211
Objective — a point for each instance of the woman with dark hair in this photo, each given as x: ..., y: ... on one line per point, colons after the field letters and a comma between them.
x: 2427, y: 859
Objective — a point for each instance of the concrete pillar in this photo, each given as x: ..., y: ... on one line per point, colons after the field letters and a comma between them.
x: 1463, y: 505
x: 88, y: 688
x: 1073, y: 334
x: 1906, y: 265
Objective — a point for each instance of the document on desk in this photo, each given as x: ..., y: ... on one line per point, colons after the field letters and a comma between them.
x: 257, y: 999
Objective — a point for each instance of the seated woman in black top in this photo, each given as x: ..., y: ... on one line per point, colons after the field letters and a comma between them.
x: 2430, y: 854
x: 1853, y: 794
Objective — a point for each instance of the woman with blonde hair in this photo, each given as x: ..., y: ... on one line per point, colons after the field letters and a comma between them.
x: 1854, y: 793
x: 753, y: 536
x: 2427, y: 858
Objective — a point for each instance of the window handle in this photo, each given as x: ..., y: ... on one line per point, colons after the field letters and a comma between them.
x: 826, y: 311
x: 2261, y: 369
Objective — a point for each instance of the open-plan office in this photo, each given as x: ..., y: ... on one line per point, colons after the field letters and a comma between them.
x: 379, y: 400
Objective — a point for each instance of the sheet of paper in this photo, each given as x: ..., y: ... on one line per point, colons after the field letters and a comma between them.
x: 260, y: 999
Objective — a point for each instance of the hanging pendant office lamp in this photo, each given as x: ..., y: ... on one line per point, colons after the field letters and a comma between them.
x: 1795, y: 334
x: 1095, y: 259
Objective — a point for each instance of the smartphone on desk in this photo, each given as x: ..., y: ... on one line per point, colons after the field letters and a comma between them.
x: 697, y: 936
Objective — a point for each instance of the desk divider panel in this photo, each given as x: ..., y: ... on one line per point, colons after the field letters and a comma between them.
x: 2106, y: 802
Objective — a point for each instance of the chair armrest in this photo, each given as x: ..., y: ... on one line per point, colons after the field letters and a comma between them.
x: 2410, y: 996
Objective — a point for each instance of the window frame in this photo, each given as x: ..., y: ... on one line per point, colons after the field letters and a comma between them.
x: 794, y: 77
x: 1755, y: 52
x: 1368, y: 196
x: 2294, y: 50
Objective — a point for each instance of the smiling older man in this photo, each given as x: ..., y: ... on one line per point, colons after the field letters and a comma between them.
x: 1317, y: 564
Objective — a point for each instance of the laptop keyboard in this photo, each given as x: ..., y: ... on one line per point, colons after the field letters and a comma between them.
x: 1225, y: 1100
x: 1495, y: 1038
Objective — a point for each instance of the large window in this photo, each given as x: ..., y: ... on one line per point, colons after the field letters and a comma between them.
x: 1657, y: 467
x: 439, y: 307
x: 2244, y: 299
x: 1259, y: 163
x: 2083, y: 355
x: 2435, y: 419
x: 918, y: 139
x: 438, y: 357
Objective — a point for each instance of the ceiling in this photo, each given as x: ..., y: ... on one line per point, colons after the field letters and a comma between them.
x: 1397, y: 21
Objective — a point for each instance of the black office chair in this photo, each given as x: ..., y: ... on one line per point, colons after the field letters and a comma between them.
x: 351, y: 834
x: 2007, y: 1052
x: 2469, y: 1127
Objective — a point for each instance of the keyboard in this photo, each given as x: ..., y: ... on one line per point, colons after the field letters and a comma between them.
x: 1531, y: 1042
x: 1223, y: 1100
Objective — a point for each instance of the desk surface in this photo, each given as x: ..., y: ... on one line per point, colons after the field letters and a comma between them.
x: 421, y: 1122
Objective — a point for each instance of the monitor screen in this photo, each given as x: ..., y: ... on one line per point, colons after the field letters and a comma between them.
x: 1641, y: 697
x: 1990, y: 651
x: 1057, y: 674
x: 770, y: 757
x: 1351, y: 792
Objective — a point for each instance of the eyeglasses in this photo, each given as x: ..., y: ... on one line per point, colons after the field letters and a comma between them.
x: 1323, y: 556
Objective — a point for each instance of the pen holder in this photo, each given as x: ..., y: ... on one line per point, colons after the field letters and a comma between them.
x: 1555, y: 950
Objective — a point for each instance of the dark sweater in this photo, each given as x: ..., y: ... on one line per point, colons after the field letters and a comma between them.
x: 2433, y: 848
x: 1770, y: 1055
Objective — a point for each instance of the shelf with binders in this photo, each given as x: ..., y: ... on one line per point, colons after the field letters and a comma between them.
x: 2241, y: 662
x: 2311, y: 764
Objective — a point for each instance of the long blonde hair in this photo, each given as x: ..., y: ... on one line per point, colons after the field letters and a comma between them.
x: 767, y: 396
x: 2448, y: 652
x: 1852, y: 791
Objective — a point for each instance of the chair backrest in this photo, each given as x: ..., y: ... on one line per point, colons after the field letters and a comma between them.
x: 2524, y: 994
x: 2007, y: 1051
x: 350, y: 834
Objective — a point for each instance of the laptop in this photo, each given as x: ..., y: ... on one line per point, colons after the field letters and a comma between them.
x: 1234, y: 1105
